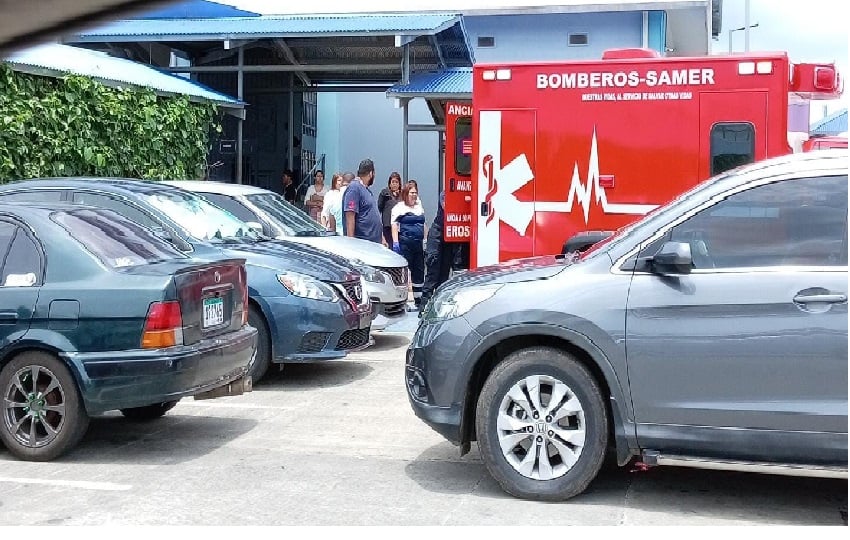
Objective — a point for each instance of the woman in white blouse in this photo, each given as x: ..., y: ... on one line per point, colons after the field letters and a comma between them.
x: 314, y: 200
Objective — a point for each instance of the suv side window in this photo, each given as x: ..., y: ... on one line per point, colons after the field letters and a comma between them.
x: 799, y: 222
x: 100, y: 200
x: 20, y: 259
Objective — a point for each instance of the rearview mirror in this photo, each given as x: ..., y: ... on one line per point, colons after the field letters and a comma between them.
x: 673, y: 258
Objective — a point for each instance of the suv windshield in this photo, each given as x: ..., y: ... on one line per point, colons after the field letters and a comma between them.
x: 287, y: 217
x: 200, y: 218
x: 116, y: 241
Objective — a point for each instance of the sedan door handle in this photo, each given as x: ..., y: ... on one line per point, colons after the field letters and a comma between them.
x: 8, y: 317
x: 820, y: 298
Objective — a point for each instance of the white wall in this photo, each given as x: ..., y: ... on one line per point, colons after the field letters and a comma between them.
x: 354, y: 126
x: 545, y: 37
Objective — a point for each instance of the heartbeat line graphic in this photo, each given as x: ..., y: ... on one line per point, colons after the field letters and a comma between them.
x: 502, y: 184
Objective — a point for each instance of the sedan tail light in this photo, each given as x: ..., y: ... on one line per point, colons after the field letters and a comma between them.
x: 244, y: 283
x: 163, y: 326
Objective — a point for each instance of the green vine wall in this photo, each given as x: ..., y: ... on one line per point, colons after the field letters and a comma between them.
x: 76, y: 126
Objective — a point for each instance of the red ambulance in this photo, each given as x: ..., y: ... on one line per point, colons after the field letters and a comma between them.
x: 553, y: 150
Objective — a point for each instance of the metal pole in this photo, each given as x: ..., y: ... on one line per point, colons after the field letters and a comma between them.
x: 240, y: 88
x: 404, y: 163
x: 405, y: 65
x: 730, y: 40
x: 746, y: 25
x: 291, y: 130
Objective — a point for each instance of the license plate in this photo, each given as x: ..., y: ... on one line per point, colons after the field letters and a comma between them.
x: 401, y: 293
x: 213, y: 312
x: 365, y: 320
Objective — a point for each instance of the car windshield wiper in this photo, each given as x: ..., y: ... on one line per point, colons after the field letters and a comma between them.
x: 235, y: 239
x: 311, y: 233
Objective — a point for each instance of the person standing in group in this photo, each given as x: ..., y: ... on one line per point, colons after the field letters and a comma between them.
x: 314, y: 200
x: 288, y: 191
x: 362, y: 219
x: 408, y: 223
x: 386, y: 201
x: 331, y: 214
x: 439, y: 255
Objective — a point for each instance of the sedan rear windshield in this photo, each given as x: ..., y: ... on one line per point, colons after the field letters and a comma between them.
x: 293, y: 220
x: 116, y: 241
x: 200, y: 218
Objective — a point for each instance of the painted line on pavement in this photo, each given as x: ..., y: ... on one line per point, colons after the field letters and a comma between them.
x: 80, y: 484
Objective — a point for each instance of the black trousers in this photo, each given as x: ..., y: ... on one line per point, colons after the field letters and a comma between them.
x: 438, y: 264
x: 412, y: 251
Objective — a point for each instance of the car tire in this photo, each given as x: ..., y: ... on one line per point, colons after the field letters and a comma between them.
x: 61, y: 419
x: 575, y: 443
x: 263, y: 357
x: 149, y: 412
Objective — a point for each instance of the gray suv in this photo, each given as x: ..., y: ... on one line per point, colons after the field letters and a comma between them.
x: 712, y: 333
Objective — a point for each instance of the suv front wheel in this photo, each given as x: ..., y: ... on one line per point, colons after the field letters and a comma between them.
x: 541, y: 425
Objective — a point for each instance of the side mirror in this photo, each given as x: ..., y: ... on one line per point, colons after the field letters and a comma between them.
x: 673, y: 258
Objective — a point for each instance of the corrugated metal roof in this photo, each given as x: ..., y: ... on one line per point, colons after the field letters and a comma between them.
x: 832, y: 124
x: 56, y: 60
x: 268, y: 26
x: 196, y: 8
x: 444, y: 84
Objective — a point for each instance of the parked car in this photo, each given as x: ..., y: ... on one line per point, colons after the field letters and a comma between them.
x: 384, y: 271
x: 68, y: 350
x: 306, y: 304
x: 712, y: 333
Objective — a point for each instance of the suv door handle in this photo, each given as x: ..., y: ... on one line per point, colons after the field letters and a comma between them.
x: 820, y: 298
x: 8, y: 317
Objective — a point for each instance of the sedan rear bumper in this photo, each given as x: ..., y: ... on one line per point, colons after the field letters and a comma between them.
x: 123, y: 379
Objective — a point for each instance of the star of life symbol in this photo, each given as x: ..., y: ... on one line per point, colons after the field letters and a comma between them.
x: 505, y: 182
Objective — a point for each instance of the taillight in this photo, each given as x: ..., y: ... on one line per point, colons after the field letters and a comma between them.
x: 163, y: 326
x: 243, y: 278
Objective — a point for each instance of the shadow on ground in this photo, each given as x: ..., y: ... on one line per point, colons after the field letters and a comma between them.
x: 172, y: 439
x: 386, y: 342
x: 706, y: 494
x: 297, y: 377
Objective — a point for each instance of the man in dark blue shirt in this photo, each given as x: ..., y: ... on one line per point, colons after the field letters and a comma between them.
x: 362, y: 219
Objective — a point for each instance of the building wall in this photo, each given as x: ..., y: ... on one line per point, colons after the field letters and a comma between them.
x: 546, y: 37
x: 353, y: 126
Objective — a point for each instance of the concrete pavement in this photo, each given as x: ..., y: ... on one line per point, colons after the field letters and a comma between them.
x: 337, y: 444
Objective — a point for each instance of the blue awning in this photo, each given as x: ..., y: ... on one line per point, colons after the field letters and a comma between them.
x: 455, y: 83
x: 832, y: 124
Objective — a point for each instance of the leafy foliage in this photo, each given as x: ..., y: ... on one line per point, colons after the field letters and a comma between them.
x: 76, y: 126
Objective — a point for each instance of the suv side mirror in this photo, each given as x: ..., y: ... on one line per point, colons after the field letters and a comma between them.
x: 672, y: 258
